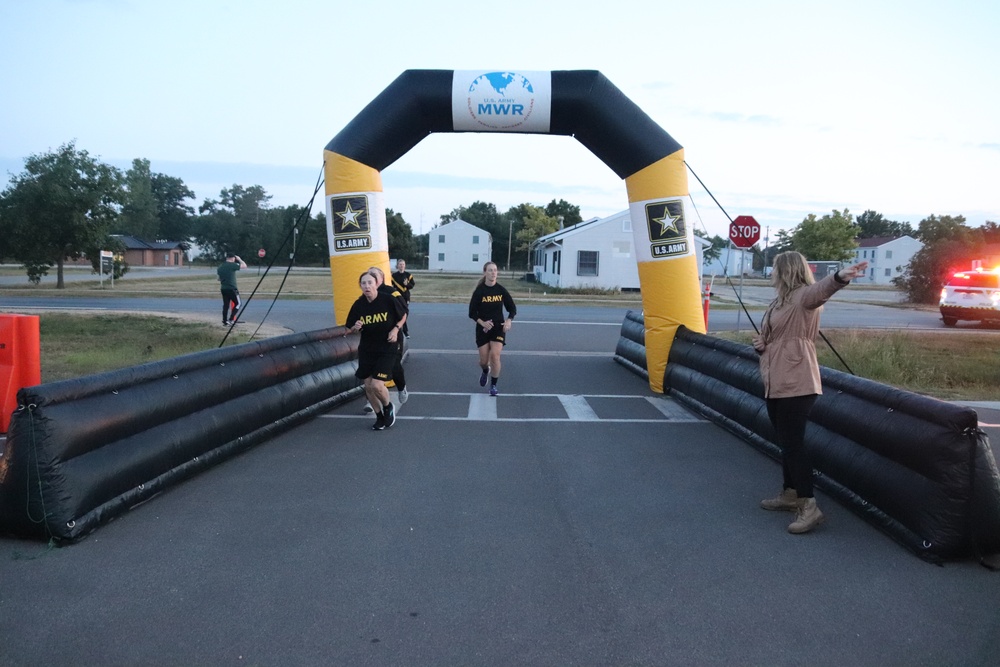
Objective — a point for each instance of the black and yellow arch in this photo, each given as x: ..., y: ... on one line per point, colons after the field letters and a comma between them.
x: 582, y: 104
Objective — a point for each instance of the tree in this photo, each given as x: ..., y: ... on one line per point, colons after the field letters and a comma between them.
x: 536, y: 225
x: 931, y: 268
x: 949, y: 246
x: 873, y: 225
x: 934, y: 228
x: 61, y: 204
x: 400, y: 233
x: 713, y: 253
x: 176, y: 217
x: 139, y: 216
x: 830, y: 238
x: 236, y: 221
x: 990, y: 232
x: 569, y: 213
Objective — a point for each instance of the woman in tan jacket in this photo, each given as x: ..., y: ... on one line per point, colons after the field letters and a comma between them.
x: 790, y: 373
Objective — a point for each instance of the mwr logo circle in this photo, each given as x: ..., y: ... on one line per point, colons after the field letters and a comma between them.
x: 501, y: 100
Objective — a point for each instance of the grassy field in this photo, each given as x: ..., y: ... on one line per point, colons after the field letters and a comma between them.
x: 74, y: 345
x: 952, y: 365
x: 314, y: 284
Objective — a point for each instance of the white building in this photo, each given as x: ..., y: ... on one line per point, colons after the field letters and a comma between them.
x: 459, y: 246
x: 593, y: 253
x: 732, y: 262
x: 887, y: 257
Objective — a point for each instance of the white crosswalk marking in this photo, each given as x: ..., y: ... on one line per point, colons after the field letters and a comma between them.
x: 482, y: 407
x: 578, y: 409
x: 575, y: 408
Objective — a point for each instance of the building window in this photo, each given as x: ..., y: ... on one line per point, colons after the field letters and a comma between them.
x: 865, y: 255
x: 557, y: 262
x: 440, y: 256
x: 888, y: 254
x: 546, y: 267
x: 475, y: 240
x: 888, y: 272
x: 475, y: 258
x: 586, y: 263
x: 627, y: 225
x: 440, y: 238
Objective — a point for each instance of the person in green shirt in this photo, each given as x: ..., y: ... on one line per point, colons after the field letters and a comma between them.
x: 230, y: 294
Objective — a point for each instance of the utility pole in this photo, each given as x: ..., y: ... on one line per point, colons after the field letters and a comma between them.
x: 510, y: 236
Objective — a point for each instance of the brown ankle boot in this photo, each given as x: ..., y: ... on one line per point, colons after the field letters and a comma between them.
x: 807, y: 516
x: 785, y: 501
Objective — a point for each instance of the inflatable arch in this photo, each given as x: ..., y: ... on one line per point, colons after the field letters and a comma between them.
x: 582, y: 104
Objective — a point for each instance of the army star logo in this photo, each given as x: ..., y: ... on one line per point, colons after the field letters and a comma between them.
x: 668, y: 223
x: 665, y: 225
x: 350, y: 215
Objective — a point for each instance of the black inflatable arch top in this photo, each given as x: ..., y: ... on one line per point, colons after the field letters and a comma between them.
x: 585, y: 105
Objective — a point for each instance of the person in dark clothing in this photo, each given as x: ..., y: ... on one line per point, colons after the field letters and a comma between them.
x: 378, y: 317
x: 403, y: 281
x: 486, y: 307
x: 230, y: 294
x: 398, y: 376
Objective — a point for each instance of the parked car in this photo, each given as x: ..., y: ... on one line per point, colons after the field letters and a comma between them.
x: 971, y: 295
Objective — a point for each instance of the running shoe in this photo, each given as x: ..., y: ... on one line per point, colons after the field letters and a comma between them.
x: 379, y: 424
x: 483, y: 378
x: 389, y: 414
x: 493, y: 390
x: 368, y: 409
x: 226, y: 324
x: 403, y: 396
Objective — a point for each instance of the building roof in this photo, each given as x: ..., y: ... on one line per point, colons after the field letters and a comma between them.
x: 573, y: 229
x: 132, y: 243
x: 876, y: 241
x: 461, y: 223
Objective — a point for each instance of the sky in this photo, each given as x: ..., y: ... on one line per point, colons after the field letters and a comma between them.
x: 784, y: 109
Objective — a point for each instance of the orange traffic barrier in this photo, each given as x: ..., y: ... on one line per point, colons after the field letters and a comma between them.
x: 20, y: 360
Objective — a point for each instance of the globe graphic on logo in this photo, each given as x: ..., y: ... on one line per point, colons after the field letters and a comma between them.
x: 501, y: 100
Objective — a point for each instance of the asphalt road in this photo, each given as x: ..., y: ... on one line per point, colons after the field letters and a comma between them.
x: 305, y: 315
x: 577, y: 519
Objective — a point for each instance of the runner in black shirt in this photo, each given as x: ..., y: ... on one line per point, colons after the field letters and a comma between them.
x: 486, y: 307
x: 398, y: 376
x: 377, y: 317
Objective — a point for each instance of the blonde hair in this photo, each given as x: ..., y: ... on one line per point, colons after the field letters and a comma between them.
x: 791, y: 271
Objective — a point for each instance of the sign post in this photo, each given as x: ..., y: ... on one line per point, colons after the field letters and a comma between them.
x: 260, y: 256
x: 743, y: 233
x: 106, y: 265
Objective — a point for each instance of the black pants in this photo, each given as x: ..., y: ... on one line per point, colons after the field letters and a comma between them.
x: 230, y: 298
x: 788, y: 417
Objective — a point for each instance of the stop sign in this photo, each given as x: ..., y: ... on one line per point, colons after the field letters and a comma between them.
x: 744, y: 231
x: 261, y: 252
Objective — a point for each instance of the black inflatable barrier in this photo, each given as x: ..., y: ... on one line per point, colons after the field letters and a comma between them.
x: 81, y: 452
x: 631, y: 348
x: 918, y: 468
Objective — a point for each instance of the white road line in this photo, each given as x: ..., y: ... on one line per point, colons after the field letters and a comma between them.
x: 670, y: 409
x: 482, y: 407
x: 688, y: 420
x: 508, y: 351
x: 591, y: 324
x: 578, y: 409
